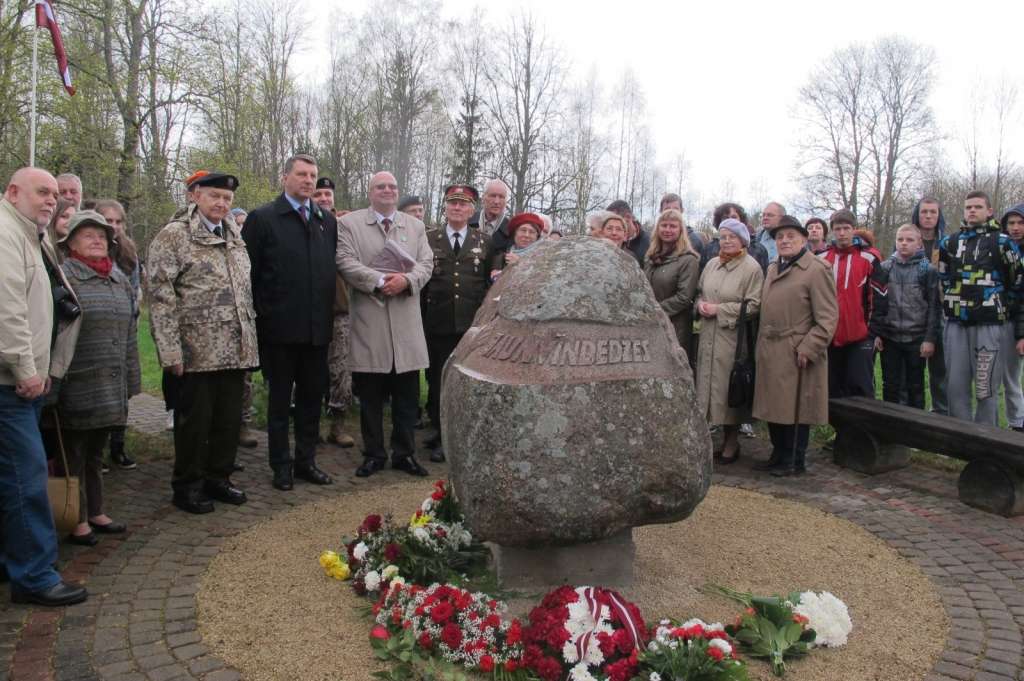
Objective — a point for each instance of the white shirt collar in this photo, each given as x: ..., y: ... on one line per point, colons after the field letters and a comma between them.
x: 382, y: 218
x: 451, y: 231
x: 206, y: 222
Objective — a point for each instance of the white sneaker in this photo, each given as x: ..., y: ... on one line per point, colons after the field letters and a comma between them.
x: 170, y: 419
x: 747, y: 430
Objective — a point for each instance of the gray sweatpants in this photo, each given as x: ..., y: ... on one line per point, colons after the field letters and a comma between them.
x: 974, y: 354
x: 1011, y: 380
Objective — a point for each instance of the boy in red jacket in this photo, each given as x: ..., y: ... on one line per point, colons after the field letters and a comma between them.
x: 851, y: 356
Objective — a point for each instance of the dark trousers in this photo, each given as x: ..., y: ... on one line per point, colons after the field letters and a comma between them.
x: 937, y: 378
x: 207, y: 417
x: 372, y: 390
x: 903, y: 366
x: 851, y: 370
x: 439, y: 349
x: 117, y: 440
x: 782, y: 436
x: 84, y: 449
x: 169, y: 386
x: 304, y: 368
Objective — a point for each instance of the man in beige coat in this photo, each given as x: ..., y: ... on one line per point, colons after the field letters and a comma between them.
x: 388, y: 348
x: 799, y: 313
x: 30, y: 354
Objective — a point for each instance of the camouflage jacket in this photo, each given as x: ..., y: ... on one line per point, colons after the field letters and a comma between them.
x: 200, y: 295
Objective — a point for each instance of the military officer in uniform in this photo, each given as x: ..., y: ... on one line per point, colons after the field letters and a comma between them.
x: 204, y: 327
x: 455, y: 290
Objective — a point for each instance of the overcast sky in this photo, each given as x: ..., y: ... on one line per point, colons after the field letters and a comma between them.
x: 688, y: 55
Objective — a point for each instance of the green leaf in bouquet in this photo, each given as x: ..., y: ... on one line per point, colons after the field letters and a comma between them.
x: 793, y: 631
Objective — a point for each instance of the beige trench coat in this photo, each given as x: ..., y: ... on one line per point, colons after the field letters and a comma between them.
x: 385, y: 332
x: 799, y: 313
x: 727, y: 286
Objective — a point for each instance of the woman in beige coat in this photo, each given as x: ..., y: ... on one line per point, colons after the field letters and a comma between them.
x: 798, y: 317
x: 726, y: 282
x: 672, y: 267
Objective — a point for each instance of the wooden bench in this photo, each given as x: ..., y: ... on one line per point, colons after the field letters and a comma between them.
x: 874, y: 436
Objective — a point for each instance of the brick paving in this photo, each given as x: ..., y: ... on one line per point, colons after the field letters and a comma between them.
x: 140, y: 622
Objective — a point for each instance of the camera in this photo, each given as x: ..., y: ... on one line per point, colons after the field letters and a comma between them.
x: 64, y: 304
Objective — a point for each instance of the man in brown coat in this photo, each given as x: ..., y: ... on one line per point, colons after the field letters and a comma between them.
x: 798, y: 317
x: 388, y: 348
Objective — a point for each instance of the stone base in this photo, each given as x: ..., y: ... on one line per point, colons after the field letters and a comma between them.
x: 608, y: 562
x: 861, y: 451
x: 992, y: 487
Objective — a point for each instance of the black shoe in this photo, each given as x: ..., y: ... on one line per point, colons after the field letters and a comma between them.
x: 771, y: 464
x: 783, y: 472
x: 312, y: 474
x: 437, y: 456
x: 433, y: 442
x: 122, y: 460
x: 57, y: 595
x: 109, y: 528
x: 283, y: 480
x: 192, y: 501
x: 83, y: 539
x: 369, y: 467
x: 237, y: 467
x: 223, y: 490
x: 411, y: 466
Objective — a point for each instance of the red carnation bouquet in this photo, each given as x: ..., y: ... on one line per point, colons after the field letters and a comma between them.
x: 584, y: 634
x: 445, y: 621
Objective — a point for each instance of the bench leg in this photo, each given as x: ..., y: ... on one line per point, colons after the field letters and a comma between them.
x: 860, y: 451
x: 992, y: 487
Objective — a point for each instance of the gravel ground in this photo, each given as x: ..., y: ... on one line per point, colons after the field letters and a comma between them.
x: 267, y: 609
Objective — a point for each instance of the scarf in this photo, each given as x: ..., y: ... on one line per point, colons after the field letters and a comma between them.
x: 784, y: 264
x: 725, y: 257
x: 100, y: 266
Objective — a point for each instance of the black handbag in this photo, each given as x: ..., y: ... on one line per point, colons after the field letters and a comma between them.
x: 741, y: 378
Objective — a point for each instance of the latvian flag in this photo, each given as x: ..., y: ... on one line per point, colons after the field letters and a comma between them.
x: 45, y: 18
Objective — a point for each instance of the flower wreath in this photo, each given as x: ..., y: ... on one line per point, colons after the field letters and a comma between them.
x: 575, y: 631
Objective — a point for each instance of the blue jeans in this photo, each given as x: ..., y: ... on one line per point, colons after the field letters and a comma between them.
x: 29, y: 538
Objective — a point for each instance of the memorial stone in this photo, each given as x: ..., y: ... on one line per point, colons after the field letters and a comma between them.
x: 568, y: 409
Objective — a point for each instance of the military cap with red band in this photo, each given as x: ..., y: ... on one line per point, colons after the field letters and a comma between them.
x: 461, y: 192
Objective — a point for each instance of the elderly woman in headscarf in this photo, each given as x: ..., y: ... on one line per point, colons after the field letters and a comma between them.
x: 104, y: 374
x: 729, y: 278
x: 525, y: 231
x: 671, y: 266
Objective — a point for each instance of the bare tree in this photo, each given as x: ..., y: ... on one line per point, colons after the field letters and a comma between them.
x: 525, y: 86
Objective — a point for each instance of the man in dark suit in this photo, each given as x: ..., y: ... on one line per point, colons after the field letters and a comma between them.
x: 291, y: 243
x: 492, y: 219
x: 456, y: 289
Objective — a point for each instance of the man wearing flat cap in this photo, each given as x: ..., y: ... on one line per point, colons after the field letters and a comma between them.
x: 454, y: 293
x: 204, y: 327
x: 412, y: 204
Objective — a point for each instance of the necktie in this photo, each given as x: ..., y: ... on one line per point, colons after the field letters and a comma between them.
x: 302, y: 213
x: 386, y: 224
x: 219, y: 231
x: 455, y: 246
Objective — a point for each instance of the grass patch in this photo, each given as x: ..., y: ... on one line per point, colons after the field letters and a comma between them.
x: 148, y: 447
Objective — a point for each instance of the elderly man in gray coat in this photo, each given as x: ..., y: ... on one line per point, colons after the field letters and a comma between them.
x: 388, y: 348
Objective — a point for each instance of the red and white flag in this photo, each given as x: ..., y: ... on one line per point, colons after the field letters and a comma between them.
x: 45, y: 18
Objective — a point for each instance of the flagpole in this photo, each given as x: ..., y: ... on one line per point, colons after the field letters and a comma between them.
x: 35, y: 77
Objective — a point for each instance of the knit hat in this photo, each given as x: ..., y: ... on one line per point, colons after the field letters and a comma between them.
x: 737, y: 228
x: 525, y: 219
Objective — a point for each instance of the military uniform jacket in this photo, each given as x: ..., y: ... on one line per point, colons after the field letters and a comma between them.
x: 458, y: 284
x: 200, y: 296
